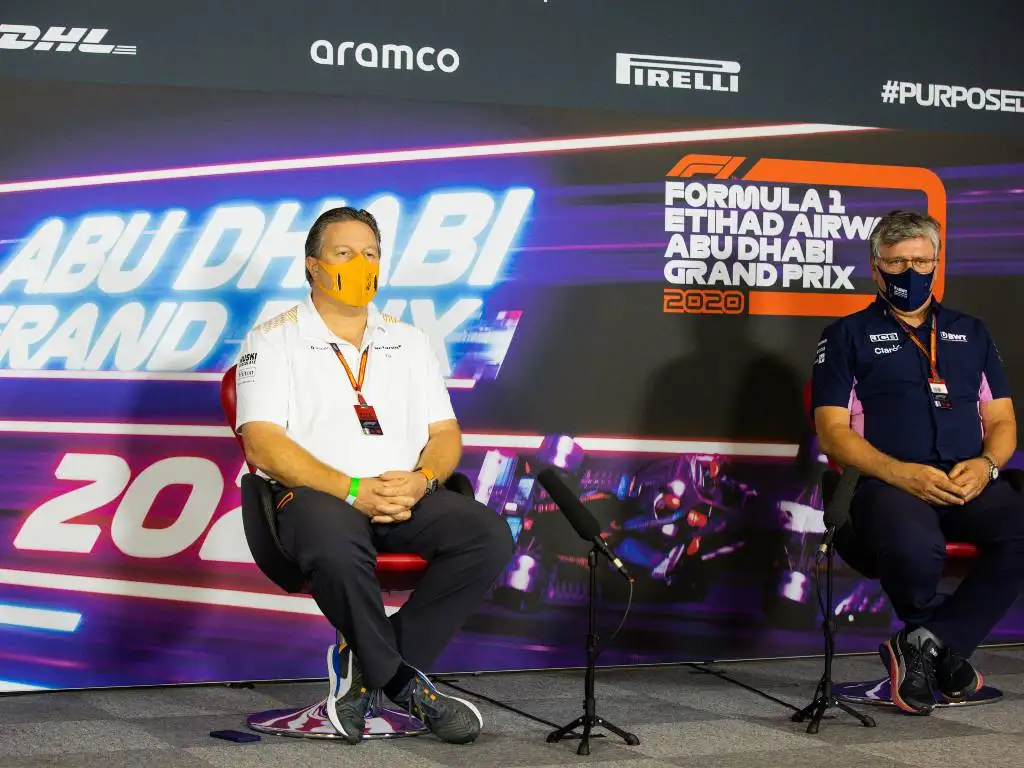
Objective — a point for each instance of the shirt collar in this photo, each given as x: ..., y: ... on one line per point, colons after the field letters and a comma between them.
x: 313, y: 325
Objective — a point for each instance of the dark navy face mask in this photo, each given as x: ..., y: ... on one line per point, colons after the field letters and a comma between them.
x: 908, y: 290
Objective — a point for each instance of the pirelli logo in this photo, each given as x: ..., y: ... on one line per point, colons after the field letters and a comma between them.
x: 677, y: 72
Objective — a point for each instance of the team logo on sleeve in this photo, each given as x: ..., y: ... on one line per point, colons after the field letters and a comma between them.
x: 819, y: 355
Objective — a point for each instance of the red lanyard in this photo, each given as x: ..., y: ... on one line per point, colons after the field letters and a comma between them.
x: 357, y: 384
x: 929, y: 354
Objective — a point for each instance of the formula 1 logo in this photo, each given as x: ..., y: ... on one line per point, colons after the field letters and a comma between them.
x: 21, y: 37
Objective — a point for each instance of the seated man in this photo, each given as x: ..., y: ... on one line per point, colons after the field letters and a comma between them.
x: 933, y: 425
x: 346, y: 411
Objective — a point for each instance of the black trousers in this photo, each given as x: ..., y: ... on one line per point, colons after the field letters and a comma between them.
x: 467, y: 547
x: 908, y: 538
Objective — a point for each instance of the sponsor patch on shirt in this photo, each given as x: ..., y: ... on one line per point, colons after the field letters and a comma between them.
x: 819, y: 353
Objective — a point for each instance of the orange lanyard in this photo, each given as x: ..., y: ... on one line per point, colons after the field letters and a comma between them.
x: 357, y: 384
x: 929, y: 354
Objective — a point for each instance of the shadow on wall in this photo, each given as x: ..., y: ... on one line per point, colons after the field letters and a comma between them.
x: 735, y: 380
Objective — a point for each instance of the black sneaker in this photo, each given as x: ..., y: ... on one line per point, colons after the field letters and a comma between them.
x: 911, y: 672
x: 348, y: 699
x: 451, y: 719
x: 956, y: 678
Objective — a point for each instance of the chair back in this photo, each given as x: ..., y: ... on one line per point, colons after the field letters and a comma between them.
x: 459, y: 483
x: 259, y: 518
x: 846, y: 543
x: 229, y: 404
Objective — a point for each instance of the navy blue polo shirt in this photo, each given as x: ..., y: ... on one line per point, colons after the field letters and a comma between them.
x: 867, y: 363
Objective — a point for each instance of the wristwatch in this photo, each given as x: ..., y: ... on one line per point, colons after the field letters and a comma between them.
x: 431, y: 479
x: 993, y: 468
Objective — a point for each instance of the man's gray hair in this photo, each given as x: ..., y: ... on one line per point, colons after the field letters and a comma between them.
x: 897, y: 226
x: 315, y: 238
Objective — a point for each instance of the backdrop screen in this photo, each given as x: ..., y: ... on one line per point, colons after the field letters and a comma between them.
x: 636, y: 300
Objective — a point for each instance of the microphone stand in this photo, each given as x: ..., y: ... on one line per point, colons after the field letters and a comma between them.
x: 825, y: 699
x: 589, y: 719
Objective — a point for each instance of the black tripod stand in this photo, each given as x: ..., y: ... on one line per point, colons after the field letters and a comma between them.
x: 589, y: 719
x: 824, y: 699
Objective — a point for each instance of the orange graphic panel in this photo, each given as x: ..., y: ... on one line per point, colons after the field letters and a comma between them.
x: 815, y: 173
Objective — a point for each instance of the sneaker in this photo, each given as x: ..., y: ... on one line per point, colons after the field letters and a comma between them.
x: 956, y: 678
x: 348, y: 699
x: 451, y: 719
x: 911, y: 672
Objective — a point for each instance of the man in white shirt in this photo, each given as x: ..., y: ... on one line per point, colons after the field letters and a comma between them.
x: 347, y: 413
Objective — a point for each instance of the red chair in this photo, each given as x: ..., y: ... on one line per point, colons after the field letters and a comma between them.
x: 396, y: 573
x: 958, y: 559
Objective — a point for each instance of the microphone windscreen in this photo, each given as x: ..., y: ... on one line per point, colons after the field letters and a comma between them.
x: 838, y: 510
x: 578, y: 516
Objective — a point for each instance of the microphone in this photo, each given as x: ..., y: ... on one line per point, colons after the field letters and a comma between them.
x: 837, y: 513
x: 579, y: 516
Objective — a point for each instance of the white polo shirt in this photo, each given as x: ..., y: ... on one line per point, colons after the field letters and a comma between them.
x: 289, y: 375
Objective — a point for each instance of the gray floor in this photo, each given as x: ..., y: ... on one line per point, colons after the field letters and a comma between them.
x: 683, y: 718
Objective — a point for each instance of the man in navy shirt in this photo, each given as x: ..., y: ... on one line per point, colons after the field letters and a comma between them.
x: 913, y: 394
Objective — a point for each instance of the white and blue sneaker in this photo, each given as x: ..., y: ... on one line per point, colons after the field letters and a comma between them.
x: 348, y: 699
x: 451, y: 719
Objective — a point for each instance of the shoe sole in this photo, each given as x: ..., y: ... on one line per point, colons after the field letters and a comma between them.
x: 476, y: 714
x: 335, y: 679
x: 896, y: 678
x: 472, y: 708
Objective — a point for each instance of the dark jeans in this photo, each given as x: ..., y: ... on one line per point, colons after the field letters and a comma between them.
x: 467, y: 547
x: 907, y: 537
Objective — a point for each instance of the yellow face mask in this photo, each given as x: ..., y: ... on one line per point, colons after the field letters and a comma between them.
x: 354, y: 282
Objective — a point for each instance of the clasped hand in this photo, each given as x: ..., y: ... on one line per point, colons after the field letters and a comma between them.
x: 963, y: 483
x: 390, y: 497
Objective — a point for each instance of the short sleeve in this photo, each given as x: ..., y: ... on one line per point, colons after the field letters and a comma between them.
x: 262, y: 381
x: 832, y: 378
x: 993, y: 376
x: 438, y: 401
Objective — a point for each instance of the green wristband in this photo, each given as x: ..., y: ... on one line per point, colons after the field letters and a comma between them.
x: 353, y: 491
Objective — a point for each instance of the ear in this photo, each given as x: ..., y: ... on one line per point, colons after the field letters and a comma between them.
x: 876, y: 275
x: 312, y: 268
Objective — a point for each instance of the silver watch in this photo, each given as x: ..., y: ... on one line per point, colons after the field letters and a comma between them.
x: 993, y: 468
